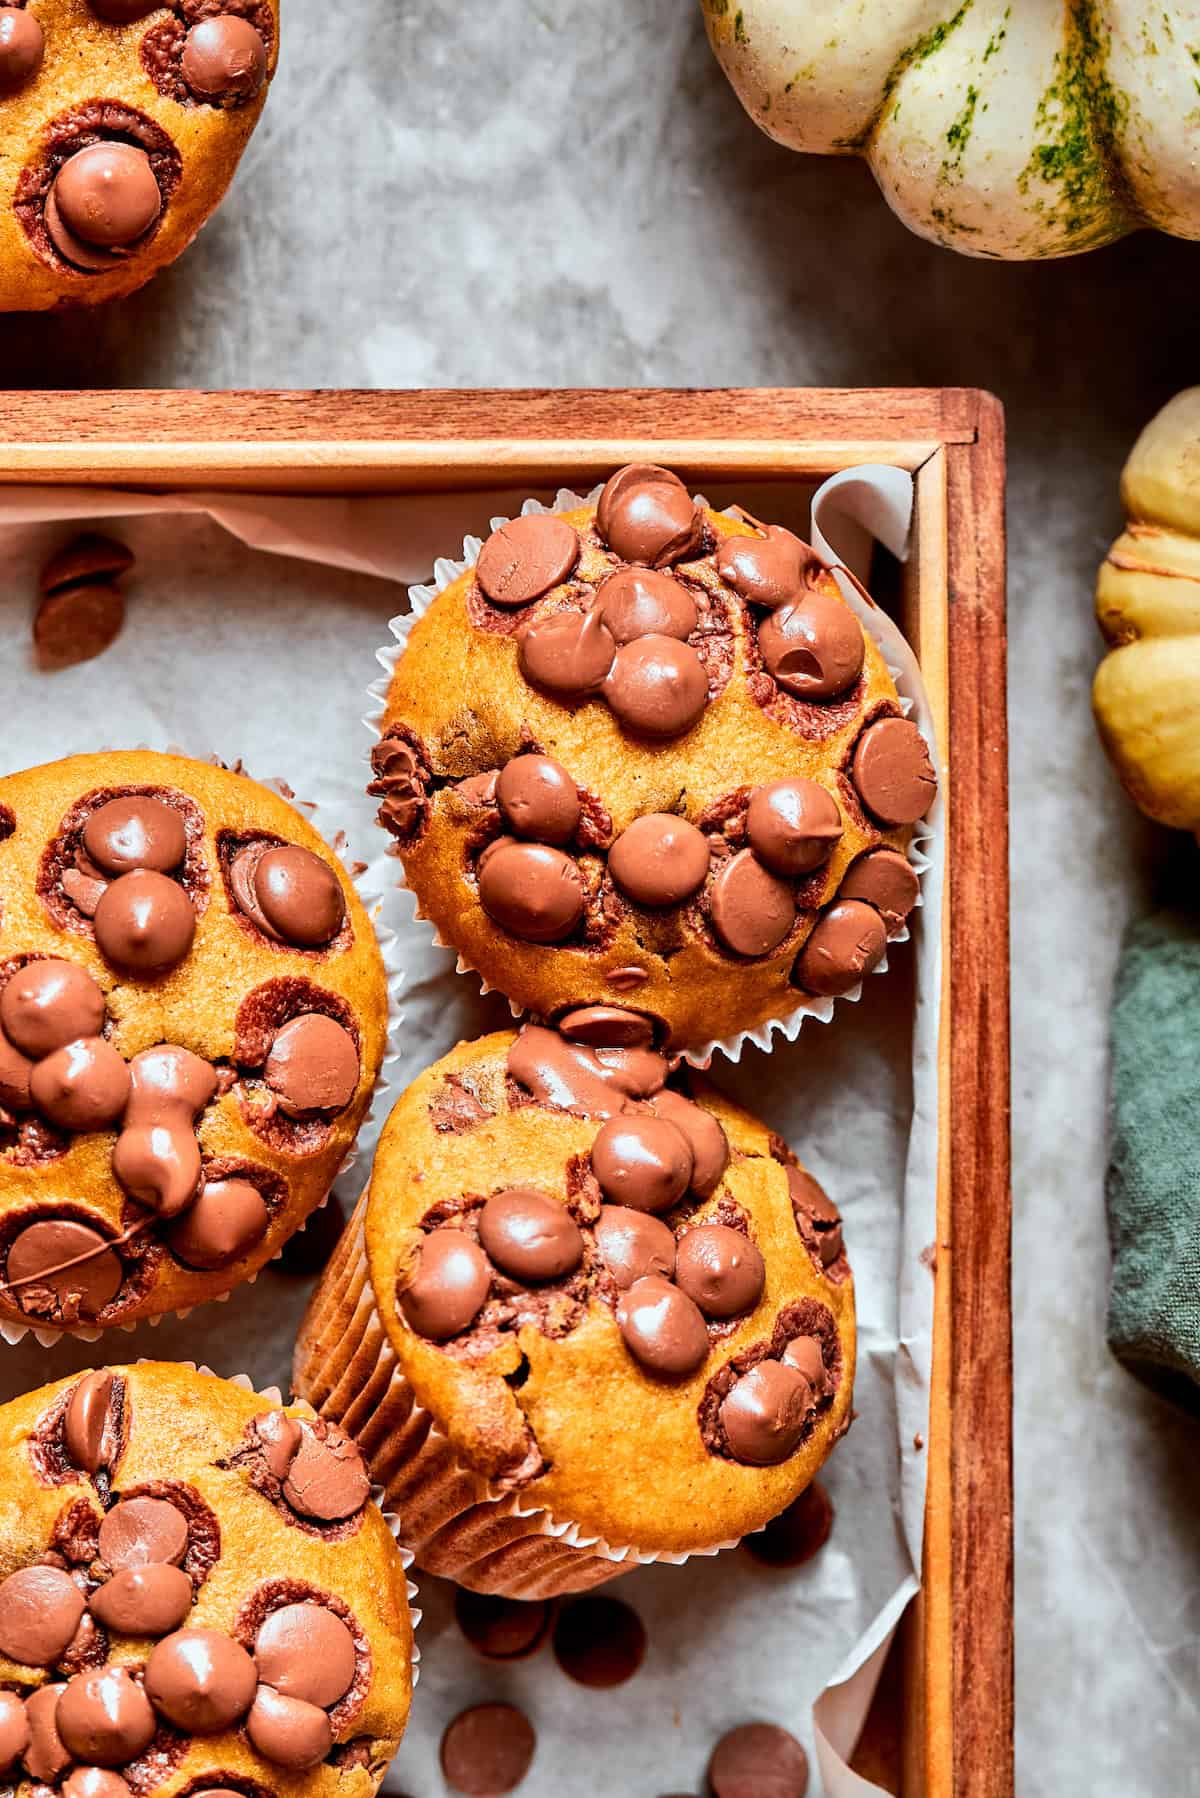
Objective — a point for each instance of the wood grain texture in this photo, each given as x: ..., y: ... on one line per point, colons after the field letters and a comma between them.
x: 953, y: 1663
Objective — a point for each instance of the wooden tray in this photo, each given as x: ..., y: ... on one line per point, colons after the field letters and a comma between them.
x: 942, y: 1723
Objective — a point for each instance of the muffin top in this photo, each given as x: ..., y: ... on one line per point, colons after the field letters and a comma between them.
x: 195, y: 1593
x: 645, y: 754
x: 618, y: 1295
x: 121, y: 123
x: 193, y: 1011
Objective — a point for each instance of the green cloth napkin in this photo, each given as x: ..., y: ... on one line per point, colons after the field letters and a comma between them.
x: 1153, y: 1183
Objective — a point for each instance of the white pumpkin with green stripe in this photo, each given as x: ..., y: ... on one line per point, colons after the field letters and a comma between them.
x: 1016, y: 128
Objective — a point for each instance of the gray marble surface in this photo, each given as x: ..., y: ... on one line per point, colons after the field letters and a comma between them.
x: 552, y: 194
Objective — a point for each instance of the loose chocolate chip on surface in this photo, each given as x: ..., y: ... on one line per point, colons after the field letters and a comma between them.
x: 769, y: 571
x: 706, y: 1138
x: 527, y: 557
x: 77, y: 624
x: 224, y: 58
x: 532, y: 891
x: 135, y: 832
x: 657, y: 686
x: 752, y: 910
x: 643, y: 1161
x: 487, y: 1750
x: 633, y: 1244
x: 139, y: 1532
x: 200, y: 1680
x: 90, y: 556
x: 328, y: 1478
x: 90, y: 1429
x: 539, y: 798
x: 793, y: 825
x: 638, y: 602
x: 305, y: 1651
x: 450, y: 1283
x: 814, y: 648
x: 722, y: 1270
x: 313, y: 1065
x: 892, y: 771
x: 47, y: 1004
x: 759, y: 1760
x: 227, y: 1219
x: 22, y: 47
x: 529, y: 1235
x: 797, y: 1534
x: 885, y: 879
x: 568, y: 654
x: 765, y: 1412
x: 659, y: 860
x: 144, y: 922
x: 662, y: 1327
x: 289, y: 1731
x: 143, y: 1601
x: 599, y: 1642
x: 40, y: 1609
x: 646, y: 515
x: 65, y: 1258
x: 104, y: 1718
x: 847, y: 942
x: 500, y: 1629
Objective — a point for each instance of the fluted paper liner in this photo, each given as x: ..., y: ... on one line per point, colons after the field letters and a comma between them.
x: 889, y: 504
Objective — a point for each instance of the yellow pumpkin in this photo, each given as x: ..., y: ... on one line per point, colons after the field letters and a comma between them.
x: 1147, y: 689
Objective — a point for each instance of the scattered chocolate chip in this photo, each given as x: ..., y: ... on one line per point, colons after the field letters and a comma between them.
x: 135, y: 832
x: 646, y: 515
x: 814, y: 648
x: 599, y: 1642
x: 449, y: 1284
x: 892, y: 771
x: 86, y: 559
x: 793, y: 826
x: 227, y: 1219
x: 532, y: 891
x: 139, y: 1532
x: 76, y: 625
x: 885, y: 879
x: 765, y: 1413
x: 487, y: 1750
x: 224, y: 58
x: 40, y: 1610
x: 633, y: 1244
x: 662, y: 1328
x: 643, y: 1161
x: 720, y: 1268
x: 144, y: 922
x: 797, y: 1534
x: 638, y: 602
x: 569, y: 654
x: 200, y: 1680
x: 500, y: 1629
x: 527, y: 557
x: 529, y: 1236
x: 768, y: 571
x: 22, y: 47
x: 104, y: 1717
x: 659, y: 860
x: 47, y: 1004
x: 846, y: 943
x: 539, y: 799
x: 706, y: 1138
x: 143, y: 1601
x: 305, y: 1651
x: 313, y: 1065
x: 657, y: 686
x: 69, y: 1260
x: 758, y: 1760
x: 752, y: 910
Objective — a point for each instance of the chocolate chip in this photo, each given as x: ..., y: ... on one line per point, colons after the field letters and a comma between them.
x: 793, y: 826
x: 768, y: 571
x: 633, y: 1244
x: 14, y: 1728
x: 40, y: 1609
x: 86, y: 559
x: 706, y: 1138
x: 22, y: 47
x: 657, y: 687
x: 227, y: 1219
x: 569, y: 653
x: 722, y: 1270
x: 104, y: 1718
x: 139, y: 1532
x: 846, y: 943
x: 662, y: 1328
x: 305, y: 1651
x: 599, y: 1642
x: 500, y: 1629
x: 48, y: 1003
x: 448, y: 1285
x: 104, y: 198
x: 289, y: 1731
x: 200, y: 1680
x: 76, y: 625
x: 69, y: 1260
x: 892, y: 771
x: 135, y: 832
x: 752, y: 910
x: 539, y: 798
x: 527, y: 557
x: 328, y: 1478
x: 288, y: 892
x: 814, y: 648
x: 313, y: 1065
x: 224, y: 58
x: 123, y: 12
x: 280, y: 1436
x: 82, y: 1087
x: 157, y: 1157
x: 607, y: 1026
x: 646, y: 516
x: 797, y: 1534
x: 487, y: 1750
x: 765, y: 1413
x: 45, y: 1757
x: 885, y: 879
x: 144, y: 923
x: 91, y: 1426
x: 95, y: 1782
x: 143, y: 1601
x: 638, y: 602
x: 642, y: 1161
x: 529, y: 1236
x: 659, y: 860
x: 532, y: 891
x: 758, y: 1760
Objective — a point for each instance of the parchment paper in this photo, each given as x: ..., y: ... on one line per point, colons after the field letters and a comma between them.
x: 251, y: 627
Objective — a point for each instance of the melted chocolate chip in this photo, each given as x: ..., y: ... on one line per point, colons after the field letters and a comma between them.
x: 135, y: 831
x: 569, y: 654
x: 721, y: 1269
x: 449, y: 1284
x: 642, y: 1161
x: 532, y: 891
x: 143, y: 1601
x: 200, y: 1680
x: 304, y: 1651
x: 662, y: 1328
x: 539, y: 799
x: 224, y: 58
x: 63, y: 1269
x: 752, y: 910
x: 892, y: 771
x: 144, y: 922
x: 633, y: 1244
x: 659, y: 860
x: 846, y: 943
x: 104, y: 1718
x: 766, y: 1412
x: 646, y: 516
x: 22, y: 47
x: 637, y: 602
x: 706, y: 1138
x: 793, y: 826
x: 887, y: 880
x: 49, y: 1003
x: 657, y: 687
x: 772, y: 570
x: 814, y: 648
x: 529, y: 1236
x: 313, y: 1065
x: 527, y: 557
x: 40, y: 1610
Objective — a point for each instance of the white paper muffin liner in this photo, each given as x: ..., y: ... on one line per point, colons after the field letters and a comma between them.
x: 391, y: 952
x: 901, y: 665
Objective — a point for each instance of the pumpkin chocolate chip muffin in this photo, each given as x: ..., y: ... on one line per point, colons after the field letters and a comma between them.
x: 584, y: 1312
x: 645, y: 754
x: 193, y: 1012
x: 121, y: 124
x: 196, y: 1593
